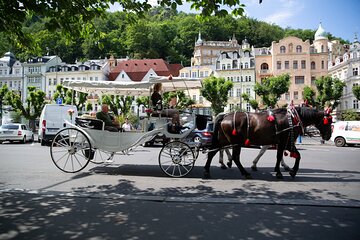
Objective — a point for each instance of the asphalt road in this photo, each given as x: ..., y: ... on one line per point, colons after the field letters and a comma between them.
x: 133, y: 199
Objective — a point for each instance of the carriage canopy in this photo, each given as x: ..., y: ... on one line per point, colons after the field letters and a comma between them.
x: 170, y: 84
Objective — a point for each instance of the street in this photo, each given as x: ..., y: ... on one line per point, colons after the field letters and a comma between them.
x: 132, y: 199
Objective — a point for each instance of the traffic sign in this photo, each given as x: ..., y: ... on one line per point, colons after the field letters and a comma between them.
x: 59, y: 100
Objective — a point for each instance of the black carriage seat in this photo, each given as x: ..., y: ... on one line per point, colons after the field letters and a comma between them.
x: 91, y: 123
x: 201, y: 121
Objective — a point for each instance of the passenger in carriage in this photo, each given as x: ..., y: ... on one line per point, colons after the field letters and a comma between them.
x: 156, y: 98
x: 111, y: 123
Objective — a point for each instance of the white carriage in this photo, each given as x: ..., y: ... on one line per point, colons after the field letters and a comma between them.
x: 86, y: 141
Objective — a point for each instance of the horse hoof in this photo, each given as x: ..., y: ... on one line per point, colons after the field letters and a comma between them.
x: 223, y: 166
x: 206, y: 175
x: 229, y: 164
x: 254, y: 168
x: 292, y: 173
x: 279, y: 176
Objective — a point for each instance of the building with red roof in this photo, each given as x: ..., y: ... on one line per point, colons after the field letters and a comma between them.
x: 138, y: 70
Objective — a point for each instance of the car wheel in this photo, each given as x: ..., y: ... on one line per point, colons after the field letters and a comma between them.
x: 43, y: 143
x: 24, y: 140
x: 197, y: 139
x: 340, y: 142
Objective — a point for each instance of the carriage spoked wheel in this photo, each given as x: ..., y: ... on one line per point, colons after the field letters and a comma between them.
x: 68, y: 148
x: 176, y: 159
x: 99, y: 156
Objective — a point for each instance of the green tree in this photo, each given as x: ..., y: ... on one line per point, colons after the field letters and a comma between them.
x: 271, y: 89
x: 253, y: 103
x: 350, y: 115
x: 216, y: 90
x: 88, y: 107
x: 69, y: 96
x: 329, y: 91
x: 356, y: 91
x: 183, y: 100
x: 3, y: 91
x: 32, y: 107
x: 118, y: 102
x: 309, y: 95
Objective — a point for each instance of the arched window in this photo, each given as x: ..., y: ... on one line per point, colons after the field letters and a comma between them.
x: 282, y: 49
x: 246, y: 65
x: 322, y: 48
x: 313, y: 66
x: 264, y: 66
x: 298, y: 49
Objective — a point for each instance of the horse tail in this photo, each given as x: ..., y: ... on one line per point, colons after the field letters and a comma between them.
x: 217, y: 122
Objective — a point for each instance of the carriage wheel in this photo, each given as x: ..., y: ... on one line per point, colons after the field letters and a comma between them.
x: 67, y: 150
x: 176, y: 159
x: 98, y: 156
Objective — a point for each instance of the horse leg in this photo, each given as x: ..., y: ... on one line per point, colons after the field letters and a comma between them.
x: 236, y: 159
x: 221, y: 159
x: 211, y: 154
x: 296, y: 165
x: 285, y: 166
x: 256, y: 160
x: 229, y: 163
x: 279, y: 156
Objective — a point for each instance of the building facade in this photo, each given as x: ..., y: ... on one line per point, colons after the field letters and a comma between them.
x: 11, y: 73
x: 239, y: 68
x: 304, y: 62
x: 346, y: 68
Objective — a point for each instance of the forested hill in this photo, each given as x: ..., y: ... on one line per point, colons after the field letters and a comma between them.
x: 165, y: 34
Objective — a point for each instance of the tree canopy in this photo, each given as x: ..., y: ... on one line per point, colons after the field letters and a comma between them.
x: 329, y: 91
x: 216, y: 90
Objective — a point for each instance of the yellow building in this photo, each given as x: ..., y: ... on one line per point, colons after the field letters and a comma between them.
x: 303, y: 61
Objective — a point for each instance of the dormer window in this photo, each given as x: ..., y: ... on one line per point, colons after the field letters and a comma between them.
x: 298, y: 49
x: 282, y: 49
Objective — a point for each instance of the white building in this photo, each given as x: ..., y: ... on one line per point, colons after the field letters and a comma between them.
x: 346, y: 68
x: 91, y: 70
x: 34, y: 72
x: 239, y: 68
x: 11, y: 72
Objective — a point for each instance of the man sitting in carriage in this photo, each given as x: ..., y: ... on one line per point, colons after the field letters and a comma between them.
x: 111, y: 124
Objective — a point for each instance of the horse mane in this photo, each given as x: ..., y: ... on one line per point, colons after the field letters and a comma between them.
x: 308, y: 113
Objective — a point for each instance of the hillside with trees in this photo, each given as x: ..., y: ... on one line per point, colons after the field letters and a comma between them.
x: 158, y: 33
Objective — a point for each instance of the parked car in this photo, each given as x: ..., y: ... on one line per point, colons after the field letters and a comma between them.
x: 312, y: 131
x: 346, y: 132
x: 202, y: 136
x: 52, y: 120
x: 16, y: 132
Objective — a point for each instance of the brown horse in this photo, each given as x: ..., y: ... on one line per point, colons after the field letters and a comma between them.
x: 281, y: 127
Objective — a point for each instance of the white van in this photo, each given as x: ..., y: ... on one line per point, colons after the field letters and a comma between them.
x: 52, y: 120
x: 346, y: 132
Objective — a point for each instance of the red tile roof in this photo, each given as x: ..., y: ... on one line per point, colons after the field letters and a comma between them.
x: 137, y: 69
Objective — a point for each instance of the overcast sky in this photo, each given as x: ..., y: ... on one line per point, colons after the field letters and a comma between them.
x: 339, y: 17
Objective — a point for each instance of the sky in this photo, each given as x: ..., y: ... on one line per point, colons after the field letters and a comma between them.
x: 341, y: 18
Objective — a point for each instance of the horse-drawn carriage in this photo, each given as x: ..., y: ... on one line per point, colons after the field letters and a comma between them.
x: 86, y: 141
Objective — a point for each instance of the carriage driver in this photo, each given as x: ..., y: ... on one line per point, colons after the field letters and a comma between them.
x: 111, y: 124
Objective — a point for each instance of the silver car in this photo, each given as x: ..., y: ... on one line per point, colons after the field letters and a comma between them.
x: 15, y: 132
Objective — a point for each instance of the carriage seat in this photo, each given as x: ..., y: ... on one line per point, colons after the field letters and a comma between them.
x: 91, y: 123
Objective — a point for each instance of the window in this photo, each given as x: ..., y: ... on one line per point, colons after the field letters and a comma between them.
x: 248, y: 91
x: 249, y: 78
x: 287, y: 96
x: 231, y: 93
x: 238, y: 92
x: 313, y: 66
x: 299, y: 79
x: 298, y: 49
x: 303, y: 64
x: 322, y: 64
x: 228, y: 66
x: 231, y: 106
x: 355, y: 71
x: 201, y: 74
x: 286, y: 64
x: 248, y: 109
x: 282, y: 49
x: 355, y: 104
x: 246, y: 78
x: 322, y: 48
x: 278, y: 64
x: 223, y: 67
x: 201, y: 99
x: 295, y: 64
x: 246, y: 65
x: 194, y: 98
x: 193, y: 74
x: 206, y: 73
x: 296, y: 95
x: 264, y: 66
x: 313, y: 79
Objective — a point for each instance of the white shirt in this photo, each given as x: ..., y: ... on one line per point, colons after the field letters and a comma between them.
x: 127, y: 126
